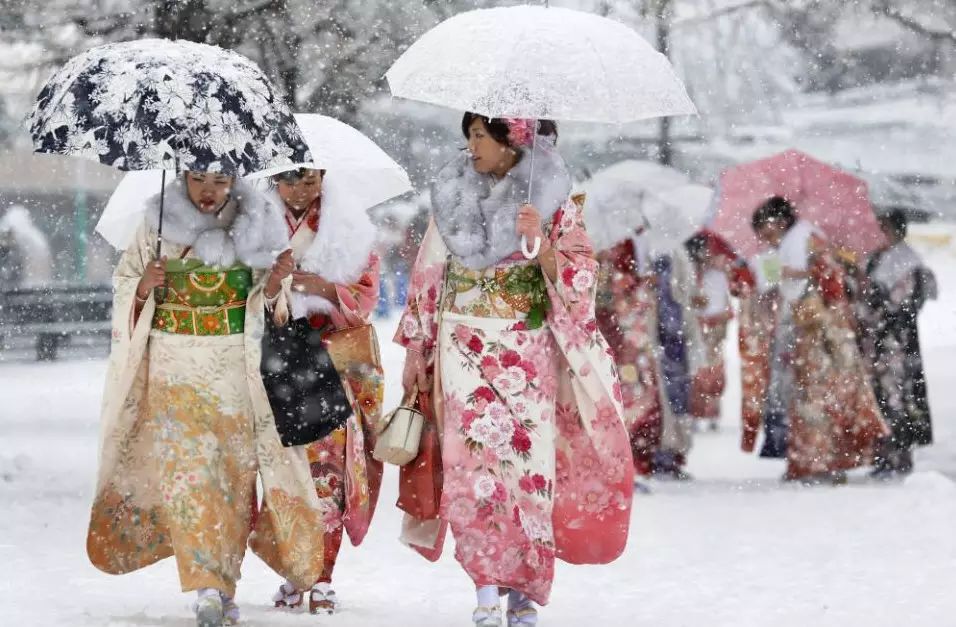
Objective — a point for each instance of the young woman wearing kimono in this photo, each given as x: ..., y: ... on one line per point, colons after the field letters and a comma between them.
x: 335, y: 286
x: 713, y: 262
x: 800, y: 358
x: 535, y: 456
x: 626, y: 305
x: 896, y: 287
x: 186, y: 423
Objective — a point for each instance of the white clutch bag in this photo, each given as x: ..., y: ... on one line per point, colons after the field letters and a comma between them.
x: 400, y: 433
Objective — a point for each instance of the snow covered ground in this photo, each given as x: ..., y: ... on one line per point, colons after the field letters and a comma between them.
x: 733, y: 548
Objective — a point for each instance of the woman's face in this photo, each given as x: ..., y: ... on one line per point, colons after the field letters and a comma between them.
x: 772, y: 233
x: 208, y: 191
x: 488, y: 156
x: 299, y: 194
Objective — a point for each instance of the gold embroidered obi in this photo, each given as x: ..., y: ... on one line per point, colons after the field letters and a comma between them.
x: 510, y: 289
x: 200, y: 300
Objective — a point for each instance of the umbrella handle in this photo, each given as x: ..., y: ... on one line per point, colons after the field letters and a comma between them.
x: 530, y: 254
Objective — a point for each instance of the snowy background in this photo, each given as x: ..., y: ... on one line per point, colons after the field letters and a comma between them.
x: 735, y: 547
x: 867, y: 84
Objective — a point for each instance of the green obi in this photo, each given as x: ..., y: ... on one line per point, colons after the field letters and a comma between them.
x: 201, y: 300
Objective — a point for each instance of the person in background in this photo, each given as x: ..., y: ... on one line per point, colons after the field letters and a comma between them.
x: 678, y: 343
x: 25, y: 257
x: 801, y: 360
x: 627, y: 318
x: 713, y: 265
x: 896, y: 286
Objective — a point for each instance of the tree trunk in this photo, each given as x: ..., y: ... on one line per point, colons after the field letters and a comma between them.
x: 665, y: 155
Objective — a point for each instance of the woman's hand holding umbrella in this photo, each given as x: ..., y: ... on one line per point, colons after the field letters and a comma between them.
x: 153, y: 277
x: 529, y: 227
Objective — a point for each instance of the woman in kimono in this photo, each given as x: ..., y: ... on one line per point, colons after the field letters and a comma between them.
x: 814, y: 376
x: 713, y: 260
x: 896, y: 287
x: 186, y: 422
x: 627, y: 318
x: 678, y: 343
x: 535, y: 455
x: 335, y: 286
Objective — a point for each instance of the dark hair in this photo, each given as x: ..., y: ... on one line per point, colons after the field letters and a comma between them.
x: 294, y: 176
x: 697, y: 247
x: 776, y: 209
x: 896, y: 221
x: 498, y: 128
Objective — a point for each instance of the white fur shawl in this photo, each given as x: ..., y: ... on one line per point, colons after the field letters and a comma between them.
x: 341, y: 248
x: 255, y: 237
x: 476, y: 216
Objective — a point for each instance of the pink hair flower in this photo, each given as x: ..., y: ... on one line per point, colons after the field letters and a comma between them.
x: 520, y: 131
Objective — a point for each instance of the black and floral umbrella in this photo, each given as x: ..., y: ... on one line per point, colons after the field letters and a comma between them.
x: 170, y: 105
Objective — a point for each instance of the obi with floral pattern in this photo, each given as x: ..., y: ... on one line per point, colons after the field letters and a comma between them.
x: 200, y: 300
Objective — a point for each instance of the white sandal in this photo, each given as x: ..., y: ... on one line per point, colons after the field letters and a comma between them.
x: 322, y: 601
x: 523, y: 617
x: 230, y: 611
x: 208, y: 608
x: 287, y: 597
x: 487, y: 617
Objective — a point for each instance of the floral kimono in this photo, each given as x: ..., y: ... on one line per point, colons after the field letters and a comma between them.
x: 186, y: 424
x: 897, y: 287
x: 536, y: 460
x: 834, y: 421
x: 627, y: 317
x: 707, y: 386
x: 336, y: 242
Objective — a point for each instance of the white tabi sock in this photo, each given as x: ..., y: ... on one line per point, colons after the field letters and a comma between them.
x: 488, y: 596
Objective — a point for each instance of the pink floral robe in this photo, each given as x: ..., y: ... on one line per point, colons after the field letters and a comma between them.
x: 536, y: 458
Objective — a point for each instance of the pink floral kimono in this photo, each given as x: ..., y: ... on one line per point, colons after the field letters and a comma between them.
x: 536, y: 458
x: 337, y: 243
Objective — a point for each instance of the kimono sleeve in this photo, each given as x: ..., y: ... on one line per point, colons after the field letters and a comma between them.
x: 577, y: 268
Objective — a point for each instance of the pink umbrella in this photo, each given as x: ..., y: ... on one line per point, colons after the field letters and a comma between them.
x: 832, y: 199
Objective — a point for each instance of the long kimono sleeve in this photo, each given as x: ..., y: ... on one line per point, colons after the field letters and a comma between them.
x: 357, y: 301
x: 126, y: 278
x: 575, y: 285
x: 418, y: 326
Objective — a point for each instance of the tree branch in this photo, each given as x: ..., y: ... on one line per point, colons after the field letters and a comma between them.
x: 913, y: 25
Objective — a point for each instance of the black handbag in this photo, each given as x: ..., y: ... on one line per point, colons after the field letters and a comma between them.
x: 304, y: 388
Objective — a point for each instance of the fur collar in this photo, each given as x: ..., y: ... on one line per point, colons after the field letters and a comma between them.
x: 341, y: 248
x: 476, y: 216
x: 255, y: 237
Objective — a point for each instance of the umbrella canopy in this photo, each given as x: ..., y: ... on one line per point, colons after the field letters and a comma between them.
x: 674, y: 215
x: 540, y: 62
x: 834, y: 200
x: 353, y: 160
x: 159, y: 104
x: 617, y: 198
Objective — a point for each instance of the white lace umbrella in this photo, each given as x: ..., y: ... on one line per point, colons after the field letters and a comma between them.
x: 540, y: 62
x: 353, y: 161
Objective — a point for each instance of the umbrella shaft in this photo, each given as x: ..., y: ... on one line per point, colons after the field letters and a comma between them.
x: 534, y: 146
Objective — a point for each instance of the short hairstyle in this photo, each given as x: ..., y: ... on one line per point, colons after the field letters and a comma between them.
x: 896, y: 221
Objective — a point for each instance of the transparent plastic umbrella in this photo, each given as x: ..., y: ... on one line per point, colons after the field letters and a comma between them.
x: 540, y: 62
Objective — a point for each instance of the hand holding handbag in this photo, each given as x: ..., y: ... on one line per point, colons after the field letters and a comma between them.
x: 400, y: 432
